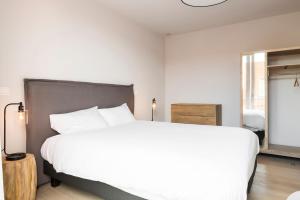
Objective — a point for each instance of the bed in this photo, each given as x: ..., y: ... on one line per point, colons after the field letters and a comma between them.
x: 175, y: 161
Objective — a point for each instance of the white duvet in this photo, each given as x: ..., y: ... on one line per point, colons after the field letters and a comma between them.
x: 160, y: 161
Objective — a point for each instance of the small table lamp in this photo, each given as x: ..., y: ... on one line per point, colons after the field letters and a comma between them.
x: 153, y: 107
x: 13, y: 156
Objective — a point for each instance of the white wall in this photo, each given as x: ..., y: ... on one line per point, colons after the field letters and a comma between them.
x: 75, y: 40
x: 284, y: 110
x: 83, y: 41
x: 204, y: 66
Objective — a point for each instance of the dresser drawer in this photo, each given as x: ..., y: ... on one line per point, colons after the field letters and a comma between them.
x: 194, y: 120
x: 194, y: 110
x: 204, y: 114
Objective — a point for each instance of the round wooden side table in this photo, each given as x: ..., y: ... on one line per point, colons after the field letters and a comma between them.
x: 20, y: 179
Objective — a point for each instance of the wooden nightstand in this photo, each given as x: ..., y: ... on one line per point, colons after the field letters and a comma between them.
x: 20, y: 179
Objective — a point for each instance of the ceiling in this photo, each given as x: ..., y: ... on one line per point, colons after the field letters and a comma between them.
x: 172, y: 16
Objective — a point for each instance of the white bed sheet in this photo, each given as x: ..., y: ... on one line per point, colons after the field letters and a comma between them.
x: 160, y: 161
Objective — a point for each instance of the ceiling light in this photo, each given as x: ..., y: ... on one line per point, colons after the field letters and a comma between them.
x: 202, y: 3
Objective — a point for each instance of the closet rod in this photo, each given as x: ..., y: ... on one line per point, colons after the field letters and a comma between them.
x: 292, y: 77
x: 291, y: 74
x: 281, y: 78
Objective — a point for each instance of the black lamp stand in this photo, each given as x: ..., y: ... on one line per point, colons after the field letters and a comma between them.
x: 153, y: 107
x: 13, y: 156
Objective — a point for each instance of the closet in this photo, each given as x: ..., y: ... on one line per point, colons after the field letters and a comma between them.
x: 270, y: 99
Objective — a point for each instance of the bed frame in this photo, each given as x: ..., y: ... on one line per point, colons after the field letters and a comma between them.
x: 102, y: 190
x: 45, y: 97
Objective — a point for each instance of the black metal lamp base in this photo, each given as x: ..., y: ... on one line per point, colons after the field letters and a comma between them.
x: 15, y: 156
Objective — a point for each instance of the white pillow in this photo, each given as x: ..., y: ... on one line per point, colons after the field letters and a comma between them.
x: 117, y: 115
x: 78, y: 121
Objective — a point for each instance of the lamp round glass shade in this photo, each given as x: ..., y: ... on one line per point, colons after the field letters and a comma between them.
x: 202, y: 3
x: 21, y: 115
x: 153, y: 103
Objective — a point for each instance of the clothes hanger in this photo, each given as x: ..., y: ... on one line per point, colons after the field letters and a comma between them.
x: 296, y: 84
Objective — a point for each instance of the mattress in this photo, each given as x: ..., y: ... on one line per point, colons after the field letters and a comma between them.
x: 159, y: 160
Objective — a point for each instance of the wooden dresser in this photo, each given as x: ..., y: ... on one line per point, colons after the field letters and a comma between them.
x: 204, y: 114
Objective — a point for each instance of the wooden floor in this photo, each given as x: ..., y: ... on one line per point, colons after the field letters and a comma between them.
x: 275, y: 179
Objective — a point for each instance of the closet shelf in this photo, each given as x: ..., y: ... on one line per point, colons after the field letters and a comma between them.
x: 282, y: 150
x: 279, y: 70
x: 283, y: 65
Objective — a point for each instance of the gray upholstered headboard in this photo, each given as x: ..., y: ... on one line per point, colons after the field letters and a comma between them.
x: 45, y: 97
